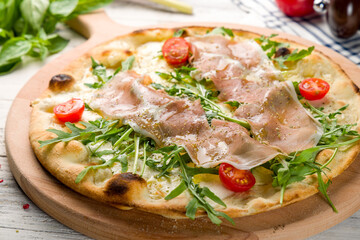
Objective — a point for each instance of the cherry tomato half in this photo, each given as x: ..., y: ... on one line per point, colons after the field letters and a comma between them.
x: 313, y: 88
x: 176, y: 51
x: 235, y: 179
x: 70, y: 111
x: 296, y: 8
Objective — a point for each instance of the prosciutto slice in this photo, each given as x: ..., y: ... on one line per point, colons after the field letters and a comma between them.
x: 243, y: 73
x: 170, y: 120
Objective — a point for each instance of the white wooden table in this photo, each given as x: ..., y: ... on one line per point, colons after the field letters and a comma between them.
x: 33, y: 223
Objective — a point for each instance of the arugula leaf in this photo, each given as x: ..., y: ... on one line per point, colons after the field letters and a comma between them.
x: 294, y: 56
x: 223, y: 31
x: 270, y: 47
x: 212, y: 110
x: 333, y: 132
x: 99, y: 70
x: 198, y: 194
x: 235, y: 104
x: 127, y: 64
x: 179, y: 33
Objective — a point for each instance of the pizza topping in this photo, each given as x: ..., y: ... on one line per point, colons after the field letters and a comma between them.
x: 278, y: 118
x: 26, y: 206
x: 168, y: 120
x: 271, y: 108
x: 313, y: 88
x: 282, y: 52
x: 272, y: 47
x: 235, y: 179
x: 70, y: 111
x: 176, y: 51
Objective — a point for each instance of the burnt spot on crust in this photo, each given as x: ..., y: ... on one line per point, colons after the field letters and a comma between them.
x: 121, y: 184
x: 128, y: 52
x: 356, y: 88
x: 60, y: 82
x: 282, y: 52
x: 140, y: 31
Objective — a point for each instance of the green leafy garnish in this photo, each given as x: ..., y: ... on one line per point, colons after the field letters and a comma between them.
x: 28, y: 27
x: 99, y: 70
x: 270, y: 47
x: 127, y: 64
x: 235, y: 104
x: 198, y: 193
x: 223, y: 31
x: 333, y: 132
x: 179, y: 33
x: 212, y: 109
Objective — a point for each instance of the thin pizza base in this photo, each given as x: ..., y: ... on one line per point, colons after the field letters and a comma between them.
x: 126, y: 191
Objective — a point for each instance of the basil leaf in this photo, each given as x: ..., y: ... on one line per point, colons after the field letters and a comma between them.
x: 8, y: 13
x: 56, y: 44
x: 223, y: 31
x: 9, y: 66
x: 14, y: 49
x: 85, y: 6
x: 127, y: 64
x: 62, y: 8
x: 33, y: 11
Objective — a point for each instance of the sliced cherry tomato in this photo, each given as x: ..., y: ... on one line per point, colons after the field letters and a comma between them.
x: 296, y: 8
x: 70, y: 111
x: 235, y: 179
x: 176, y: 51
x: 313, y: 88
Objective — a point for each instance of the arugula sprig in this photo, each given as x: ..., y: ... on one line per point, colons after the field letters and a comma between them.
x: 333, y: 132
x: 198, y: 193
x: 212, y: 110
x: 270, y: 47
x: 181, y: 74
x: 298, y: 165
x: 99, y: 70
x: 221, y: 30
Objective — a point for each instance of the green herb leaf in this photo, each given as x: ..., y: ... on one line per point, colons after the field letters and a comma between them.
x: 223, y: 31
x: 62, y: 8
x: 294, y: 56
x: 179, y: 33
x: 33, y: 11
x: 127, y: 64
x: 177, y: 191
x: 235, y: 104
x: 56, y: 44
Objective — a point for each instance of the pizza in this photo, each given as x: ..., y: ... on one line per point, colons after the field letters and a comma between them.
x: 198, y: 122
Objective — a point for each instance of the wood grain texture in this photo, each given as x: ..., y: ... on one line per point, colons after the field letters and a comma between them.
x: 276, y: 225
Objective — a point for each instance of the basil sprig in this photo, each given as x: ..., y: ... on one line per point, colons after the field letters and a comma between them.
x: 27, y: 27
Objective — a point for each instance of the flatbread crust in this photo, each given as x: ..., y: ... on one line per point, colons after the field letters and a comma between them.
x: 66, y: 160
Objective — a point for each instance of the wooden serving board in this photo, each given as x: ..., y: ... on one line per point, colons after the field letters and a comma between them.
x: 97, y: 220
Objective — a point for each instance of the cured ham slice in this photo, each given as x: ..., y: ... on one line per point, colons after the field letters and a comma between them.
x: 242, y: 72
x: 279, y: 119
x: 170, y: 120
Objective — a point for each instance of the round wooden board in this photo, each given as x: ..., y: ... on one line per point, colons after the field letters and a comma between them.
x: 296, y: 221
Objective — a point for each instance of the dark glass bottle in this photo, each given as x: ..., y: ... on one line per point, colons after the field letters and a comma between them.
x: 343, y: 17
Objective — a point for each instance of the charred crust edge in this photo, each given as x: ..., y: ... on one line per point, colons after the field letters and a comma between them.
x: 121, y: 184
x: 60, y: 82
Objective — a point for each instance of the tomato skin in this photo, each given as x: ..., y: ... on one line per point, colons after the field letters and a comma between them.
x: 176, y: 51
x: 235, y: 179
x: 313, y: 88
x: 296, y: 8
x: 70, y: 111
